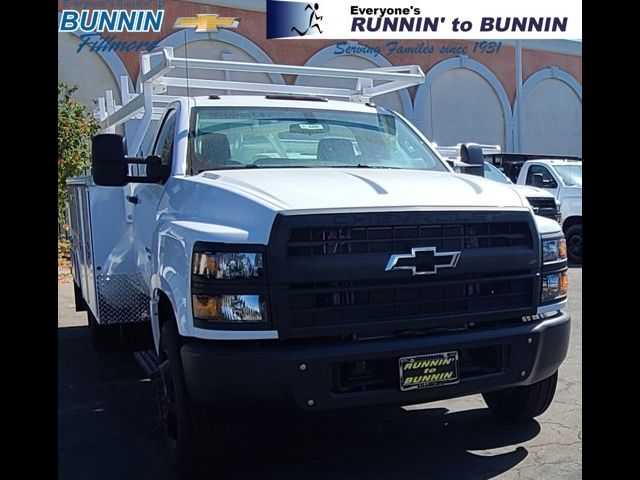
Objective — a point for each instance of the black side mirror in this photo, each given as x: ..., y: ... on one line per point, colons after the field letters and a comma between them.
x: 537, y: 180
x: 156, y: 171
x: 108, y: 163
x: 472, y: 154
x: 110, y: 166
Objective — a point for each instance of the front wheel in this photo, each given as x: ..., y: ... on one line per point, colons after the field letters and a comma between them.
x: 193, y: 441
x: 522, y: 402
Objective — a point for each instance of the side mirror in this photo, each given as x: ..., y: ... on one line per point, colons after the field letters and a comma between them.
x: 156, y: 172
x: 472, y: 154
x: 108, y: 163
x: 537, y: 180
x: 110, y: 166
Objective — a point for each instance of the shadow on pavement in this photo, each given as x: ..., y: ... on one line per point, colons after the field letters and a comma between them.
x: 108, y: 429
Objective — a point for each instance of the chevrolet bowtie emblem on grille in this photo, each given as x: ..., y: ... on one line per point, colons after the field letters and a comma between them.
x: 422, y: 261
x: 207, y: 22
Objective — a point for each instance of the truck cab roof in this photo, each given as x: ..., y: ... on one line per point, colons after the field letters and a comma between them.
x: 285, y: 101
x: 555, y: 161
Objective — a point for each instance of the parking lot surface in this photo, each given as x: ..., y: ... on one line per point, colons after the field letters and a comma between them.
x: 108, y: 427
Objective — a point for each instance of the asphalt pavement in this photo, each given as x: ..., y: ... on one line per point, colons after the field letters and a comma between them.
x: 108, y: 427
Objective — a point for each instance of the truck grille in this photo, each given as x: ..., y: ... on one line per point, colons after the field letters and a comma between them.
x: 335, y: 303
x: 327, y: 272
x: 389, y: 239
x: 545, y: 207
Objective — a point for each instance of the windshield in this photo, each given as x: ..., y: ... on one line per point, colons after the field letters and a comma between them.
x: 571, y: 174
x: 492, y: 173
x: 239, y: 137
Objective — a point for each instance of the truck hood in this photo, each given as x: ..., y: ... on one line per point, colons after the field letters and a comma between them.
x: 333, y: 188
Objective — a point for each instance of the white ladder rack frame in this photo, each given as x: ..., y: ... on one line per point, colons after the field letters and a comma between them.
x: 150, y: 101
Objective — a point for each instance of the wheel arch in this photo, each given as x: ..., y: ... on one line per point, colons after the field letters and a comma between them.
x: 570, y: 222
x: 165, y: 313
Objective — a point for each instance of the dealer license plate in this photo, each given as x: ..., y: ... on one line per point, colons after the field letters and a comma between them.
x: 423, y: 371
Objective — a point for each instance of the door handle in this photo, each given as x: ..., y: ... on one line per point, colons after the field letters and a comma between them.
x: 132, y: 199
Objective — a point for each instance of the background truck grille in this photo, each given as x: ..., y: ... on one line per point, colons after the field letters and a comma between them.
x: 398, y: 238
x: 543, y: 206
x: 327, y: 272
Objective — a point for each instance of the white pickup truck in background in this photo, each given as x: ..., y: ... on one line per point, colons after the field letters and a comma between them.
x: 542, y: 202
x: 563, y: 179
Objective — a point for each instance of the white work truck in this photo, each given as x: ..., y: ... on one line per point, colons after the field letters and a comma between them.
x: 303, y: 249
x: 563, y: 179
x: 542, y: 202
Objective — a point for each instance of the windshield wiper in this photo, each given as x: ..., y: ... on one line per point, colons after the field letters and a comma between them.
x: 253, y: 166
x: 363, y: 165
x: 250, y: 166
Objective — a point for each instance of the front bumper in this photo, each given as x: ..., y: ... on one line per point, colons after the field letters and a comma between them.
x: 235, y: 376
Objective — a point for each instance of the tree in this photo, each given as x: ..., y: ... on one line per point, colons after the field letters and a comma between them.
x: 75, y: 129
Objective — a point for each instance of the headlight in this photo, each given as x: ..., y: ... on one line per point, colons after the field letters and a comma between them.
x: 228, y: 286
x: 229, y: 308
x: 554, y: 250
x: 554, y: 285
x: 227, y: 265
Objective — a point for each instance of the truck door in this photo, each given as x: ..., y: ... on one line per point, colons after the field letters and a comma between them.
x: 549, y: 182
x: 146, y: 197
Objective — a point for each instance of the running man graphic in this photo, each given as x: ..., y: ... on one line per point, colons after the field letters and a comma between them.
x: 313, y: 17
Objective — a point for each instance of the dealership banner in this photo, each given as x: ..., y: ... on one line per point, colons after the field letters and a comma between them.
x: 453, y: 19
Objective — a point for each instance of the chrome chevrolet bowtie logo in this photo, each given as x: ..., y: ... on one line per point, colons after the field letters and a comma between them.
x: 205, y: 22
x: 422, y: 260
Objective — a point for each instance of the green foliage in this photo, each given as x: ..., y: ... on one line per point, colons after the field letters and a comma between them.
x: 75, y: 129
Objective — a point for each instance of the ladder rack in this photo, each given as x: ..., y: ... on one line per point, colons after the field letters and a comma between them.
x: 149, y: 102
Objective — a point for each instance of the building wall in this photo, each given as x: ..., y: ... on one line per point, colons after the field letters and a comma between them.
x: 469, y: 97
x: 463, y: 107
x: 552, y: 119
x: 85, y: 69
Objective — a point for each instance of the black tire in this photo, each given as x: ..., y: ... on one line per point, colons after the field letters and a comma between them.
x: 522, y: 402
x: 193, y: 441
x: 103, y: 337
x: 574, y: 244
